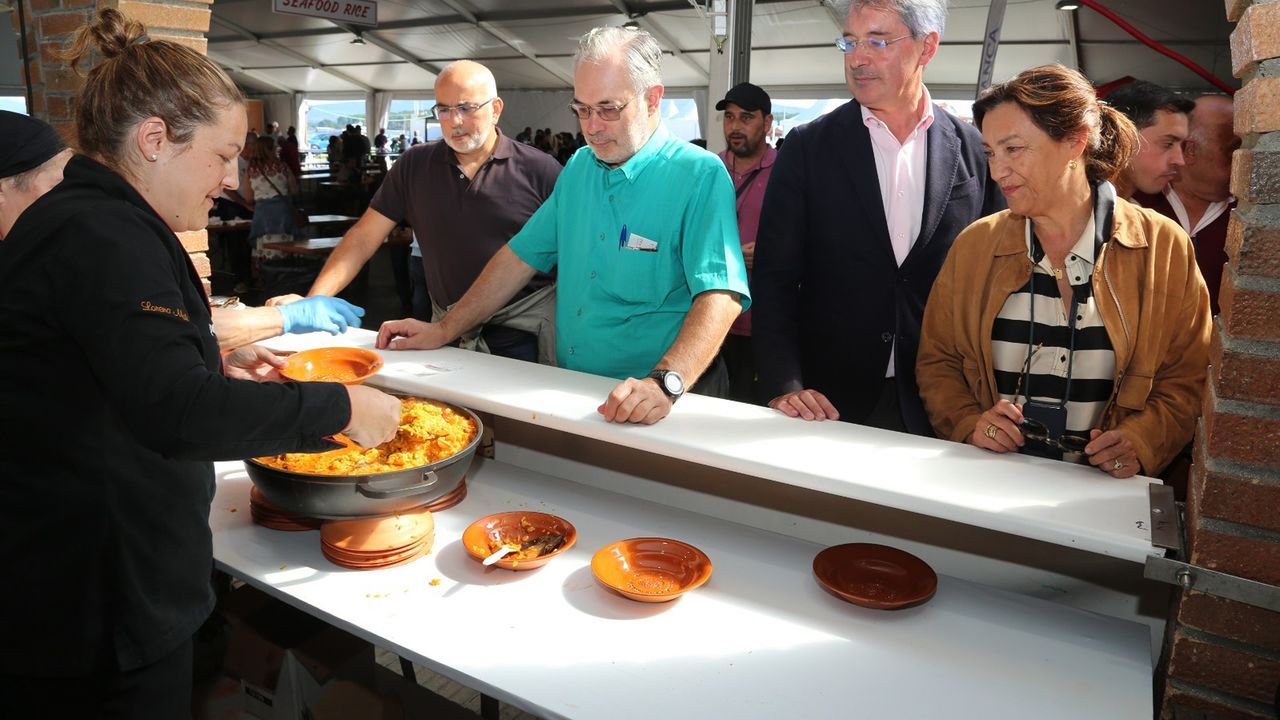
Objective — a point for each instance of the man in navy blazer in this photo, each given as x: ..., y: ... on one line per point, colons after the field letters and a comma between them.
x: 860, y: 212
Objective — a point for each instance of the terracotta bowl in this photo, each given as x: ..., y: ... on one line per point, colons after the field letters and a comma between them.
x: 349, y: 366
x: 651, y: 569
x: 875, y: 576
x: 515, y: 527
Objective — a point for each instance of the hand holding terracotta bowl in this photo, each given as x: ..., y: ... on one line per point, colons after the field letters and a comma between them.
x: 651, y: 569
x: 537, y: 536
x: 347, y: 365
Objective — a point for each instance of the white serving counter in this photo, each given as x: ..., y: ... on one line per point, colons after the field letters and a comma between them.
x: 1045, y: 500
x: 760, y: 640
x: 761, y: 494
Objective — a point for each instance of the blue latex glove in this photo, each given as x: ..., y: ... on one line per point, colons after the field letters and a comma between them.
x: 320, y: 314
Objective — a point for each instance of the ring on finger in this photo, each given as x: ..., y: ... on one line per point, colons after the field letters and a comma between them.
x: 1117, y: 465
x: 991, y: 431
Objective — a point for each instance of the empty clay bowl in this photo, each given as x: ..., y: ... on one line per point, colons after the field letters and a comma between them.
x: 651, y: 569
x: 349, y: 366
x: 875, y: 576
x: 517, y: 527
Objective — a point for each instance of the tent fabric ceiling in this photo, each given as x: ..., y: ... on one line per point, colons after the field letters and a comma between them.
x: 529, y: 45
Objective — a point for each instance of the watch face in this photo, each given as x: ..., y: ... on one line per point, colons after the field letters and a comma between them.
x: 673, y: 383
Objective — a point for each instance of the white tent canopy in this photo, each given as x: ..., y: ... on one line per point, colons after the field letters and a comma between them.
x: 529, y: 46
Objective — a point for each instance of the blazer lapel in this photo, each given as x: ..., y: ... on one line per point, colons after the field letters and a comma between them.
x: 940, y: 173
x: 858, y: 158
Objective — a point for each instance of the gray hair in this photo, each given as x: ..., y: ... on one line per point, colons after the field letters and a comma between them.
x: 22, y: 181
x: 920, y: 16
x: 637, y: 49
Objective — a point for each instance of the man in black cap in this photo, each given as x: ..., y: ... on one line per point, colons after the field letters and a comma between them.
x: 32, y: 156
x: 748, y: 117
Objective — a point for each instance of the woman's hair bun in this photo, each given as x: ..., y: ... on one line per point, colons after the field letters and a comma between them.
x: 110, y: 32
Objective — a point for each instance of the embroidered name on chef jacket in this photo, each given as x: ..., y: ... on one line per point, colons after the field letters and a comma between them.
x: 176, y: 312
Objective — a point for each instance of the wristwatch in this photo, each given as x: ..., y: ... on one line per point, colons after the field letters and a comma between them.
x: 670, y: 382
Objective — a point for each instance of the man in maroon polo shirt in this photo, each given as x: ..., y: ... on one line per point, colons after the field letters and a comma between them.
x: 748, y: 117
x: 464, y: 196
x: 1200, y: 198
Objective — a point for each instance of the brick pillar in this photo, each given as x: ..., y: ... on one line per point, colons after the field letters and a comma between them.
x: 1224, y: 657
x: 54, y: 85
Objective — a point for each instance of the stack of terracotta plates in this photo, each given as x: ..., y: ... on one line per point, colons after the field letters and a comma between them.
x: 448, y: 500
x: 378, y: 542
x: 268, y: 515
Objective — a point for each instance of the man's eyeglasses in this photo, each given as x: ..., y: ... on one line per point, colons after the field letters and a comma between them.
x: 608, y: 113
x: 873, y: 45
x: 461, y: 110
x: 1035, y: 430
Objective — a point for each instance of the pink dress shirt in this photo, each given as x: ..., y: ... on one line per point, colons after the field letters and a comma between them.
x: 900, y: 167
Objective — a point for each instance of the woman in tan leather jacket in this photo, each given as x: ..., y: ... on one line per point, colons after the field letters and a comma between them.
x: 1074, y: 324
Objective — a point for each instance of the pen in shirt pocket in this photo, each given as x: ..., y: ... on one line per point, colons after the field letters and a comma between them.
x: 622, y: 238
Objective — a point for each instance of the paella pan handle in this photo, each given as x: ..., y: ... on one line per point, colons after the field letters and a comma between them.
x: 367, y: 487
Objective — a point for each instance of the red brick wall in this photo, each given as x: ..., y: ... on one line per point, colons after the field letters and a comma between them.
x: 1223, y: 657
x: 54, y: 85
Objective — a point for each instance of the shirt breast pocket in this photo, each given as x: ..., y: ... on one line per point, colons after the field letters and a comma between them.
x: 645, y: 271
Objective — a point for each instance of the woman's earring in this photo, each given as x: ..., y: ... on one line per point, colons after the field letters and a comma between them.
x: 155, y: 157
x: 1073, y: 164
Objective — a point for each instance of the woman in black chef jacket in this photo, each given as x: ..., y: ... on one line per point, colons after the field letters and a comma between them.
x: 114, y: 398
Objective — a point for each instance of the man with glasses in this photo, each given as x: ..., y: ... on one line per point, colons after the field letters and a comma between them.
x: 861, y: 210
x: 464, y: 196
x: 641, y: 228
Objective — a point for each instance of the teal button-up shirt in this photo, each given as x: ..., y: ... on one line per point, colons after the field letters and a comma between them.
x: 634, y: 245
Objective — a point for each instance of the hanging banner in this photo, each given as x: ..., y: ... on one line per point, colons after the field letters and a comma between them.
x: 990, y: 43
x: 355, y: 12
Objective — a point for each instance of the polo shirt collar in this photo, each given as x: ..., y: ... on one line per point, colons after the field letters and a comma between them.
x: 1096, y: 232
x: 636, y: 164
x: 501, y: 151
x: 766, y: 160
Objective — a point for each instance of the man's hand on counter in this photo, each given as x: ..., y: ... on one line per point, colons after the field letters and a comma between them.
x: 636, y: 401
x: 808, y: 404
x: 253, y: 362
x: 410, y: 334
x: 282, y: 299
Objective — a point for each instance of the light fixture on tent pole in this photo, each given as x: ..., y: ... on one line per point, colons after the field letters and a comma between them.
x: 631, y: 25
x: 1067, y: 5
x: 358, y: 40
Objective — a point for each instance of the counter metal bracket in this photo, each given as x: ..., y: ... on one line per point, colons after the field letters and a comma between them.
x: 1166, y: 532
x: 1166, y: 528
x: 1212, y: 582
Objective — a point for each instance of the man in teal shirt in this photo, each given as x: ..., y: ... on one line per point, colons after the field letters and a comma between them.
x: 643, y: 229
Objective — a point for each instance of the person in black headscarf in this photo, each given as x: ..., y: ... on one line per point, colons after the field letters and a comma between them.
x: 32, y: 156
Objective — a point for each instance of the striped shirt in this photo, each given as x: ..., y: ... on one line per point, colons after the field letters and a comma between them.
x: 1036, y: 359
